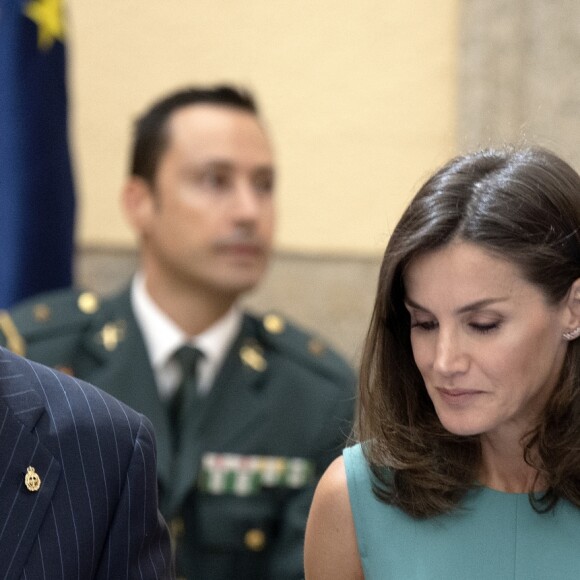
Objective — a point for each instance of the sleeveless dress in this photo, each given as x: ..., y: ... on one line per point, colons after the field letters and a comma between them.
x: 492, y: 536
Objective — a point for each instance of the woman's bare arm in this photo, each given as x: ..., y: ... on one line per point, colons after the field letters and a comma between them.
x: 331, y: 551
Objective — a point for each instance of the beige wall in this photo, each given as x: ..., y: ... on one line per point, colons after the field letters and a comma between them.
x: 518, y: 75
x: 360, y: 98
x: 390, y: 117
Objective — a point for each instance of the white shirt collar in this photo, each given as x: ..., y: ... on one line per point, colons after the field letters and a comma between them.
x: 163, y: 337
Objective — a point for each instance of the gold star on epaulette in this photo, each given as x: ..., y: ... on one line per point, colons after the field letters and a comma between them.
x: 41, y: 312
x: 48, y: 16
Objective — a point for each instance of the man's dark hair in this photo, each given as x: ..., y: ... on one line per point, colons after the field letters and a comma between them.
x: 150, y: 133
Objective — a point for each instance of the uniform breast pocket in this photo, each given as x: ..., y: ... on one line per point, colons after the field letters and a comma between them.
x: 228, y: 523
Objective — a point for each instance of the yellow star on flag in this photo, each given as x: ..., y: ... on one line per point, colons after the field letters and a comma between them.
x: 48, y: 15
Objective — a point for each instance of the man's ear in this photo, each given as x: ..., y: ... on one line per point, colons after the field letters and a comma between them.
x: 138, y: 203
x: 572, y: 320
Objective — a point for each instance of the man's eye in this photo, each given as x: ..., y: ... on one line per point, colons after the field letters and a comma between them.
x: 215, y: 180
x: 264, y: 184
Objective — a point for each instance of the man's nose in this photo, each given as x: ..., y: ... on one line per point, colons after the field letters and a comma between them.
x: 246, y: 202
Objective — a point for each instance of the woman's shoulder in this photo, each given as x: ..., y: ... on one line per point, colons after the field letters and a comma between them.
x: 354, y: 457
x: 343, y: 472
x: 332, y: 489
x: 358, y: 471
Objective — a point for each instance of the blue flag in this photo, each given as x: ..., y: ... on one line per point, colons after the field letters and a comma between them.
x: 37, y: 202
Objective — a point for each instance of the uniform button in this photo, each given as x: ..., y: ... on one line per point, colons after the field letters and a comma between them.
x: 177, y: 527
x: 88, y: 303
x: 316, y: 347
x: 274, y: 324
x: 255, y: 539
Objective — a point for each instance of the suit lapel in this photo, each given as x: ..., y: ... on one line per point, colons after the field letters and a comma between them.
x: 123, y: 370
x: 21, y: 511
x: 235, y: 406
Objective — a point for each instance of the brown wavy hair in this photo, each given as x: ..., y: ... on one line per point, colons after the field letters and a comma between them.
x: 524, y: 206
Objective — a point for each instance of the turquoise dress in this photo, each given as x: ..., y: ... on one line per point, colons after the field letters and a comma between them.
x: 492, y: 536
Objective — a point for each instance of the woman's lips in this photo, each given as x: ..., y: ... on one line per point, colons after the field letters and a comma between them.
x: 458, y: 396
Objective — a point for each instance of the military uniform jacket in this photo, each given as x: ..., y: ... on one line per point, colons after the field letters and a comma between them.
x: 237, y: 496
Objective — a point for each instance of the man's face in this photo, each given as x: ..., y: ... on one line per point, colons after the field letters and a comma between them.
x: 210, y: 222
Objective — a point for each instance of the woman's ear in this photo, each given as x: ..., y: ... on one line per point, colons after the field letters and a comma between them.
x: 571, y: 329
x: 138, y: 203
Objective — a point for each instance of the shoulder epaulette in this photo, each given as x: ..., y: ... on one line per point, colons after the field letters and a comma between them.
x: 309, y: 350
x: 50, y: 313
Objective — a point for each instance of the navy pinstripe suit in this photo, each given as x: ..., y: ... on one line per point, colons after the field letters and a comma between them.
x: 95, y: 512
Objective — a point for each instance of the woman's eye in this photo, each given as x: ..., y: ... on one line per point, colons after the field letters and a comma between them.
x: 427, y: 325
x: 484, y: 327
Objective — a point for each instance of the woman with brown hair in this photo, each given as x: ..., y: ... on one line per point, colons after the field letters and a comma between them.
x: 468, y: 461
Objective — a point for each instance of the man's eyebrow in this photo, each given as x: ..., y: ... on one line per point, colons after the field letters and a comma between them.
x: 216, y: 164
x: 225, y: 164
x: 269, y: 168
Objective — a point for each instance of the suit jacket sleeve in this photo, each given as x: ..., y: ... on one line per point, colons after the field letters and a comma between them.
x: 138, y: 544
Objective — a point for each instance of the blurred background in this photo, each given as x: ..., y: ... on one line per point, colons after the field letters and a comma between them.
x: 362, y: 101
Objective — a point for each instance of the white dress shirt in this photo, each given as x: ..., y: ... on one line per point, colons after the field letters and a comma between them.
x: 163, y: 337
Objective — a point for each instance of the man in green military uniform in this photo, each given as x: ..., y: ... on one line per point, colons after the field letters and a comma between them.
x: 248, y: 411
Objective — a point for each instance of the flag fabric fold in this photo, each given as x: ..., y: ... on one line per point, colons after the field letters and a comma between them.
x: 37, y: 199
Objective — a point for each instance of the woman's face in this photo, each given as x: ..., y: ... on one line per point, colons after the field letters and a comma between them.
x: 487, y: 343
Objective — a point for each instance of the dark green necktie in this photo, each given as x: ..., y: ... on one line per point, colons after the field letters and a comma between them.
x: 187, y: 357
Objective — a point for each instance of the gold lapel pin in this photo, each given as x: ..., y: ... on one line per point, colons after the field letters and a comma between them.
x: 252, y: 356
x: 32, y: 479
x: 112, y: 334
